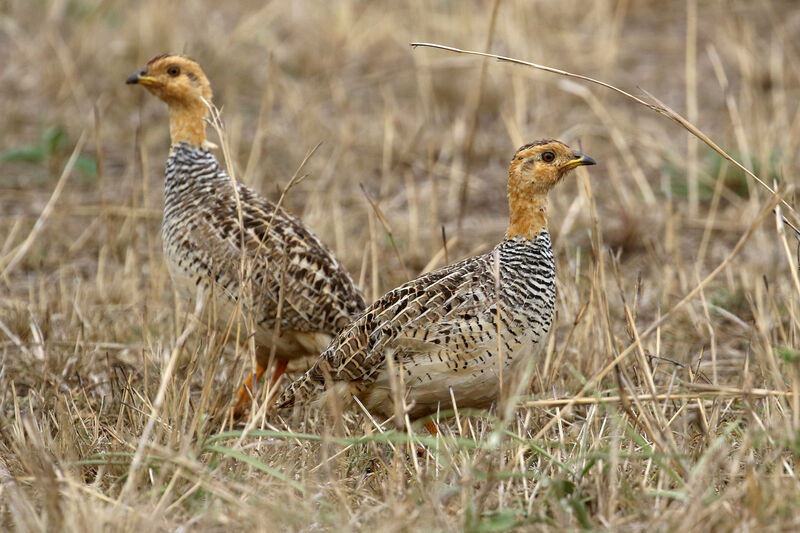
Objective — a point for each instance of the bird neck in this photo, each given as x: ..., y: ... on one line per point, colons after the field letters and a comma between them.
x: 187, y: 124
x: 528, y: 216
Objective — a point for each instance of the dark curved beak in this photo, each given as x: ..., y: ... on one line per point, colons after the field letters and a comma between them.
x: 141, y: 77
x: 580, y: 159
x: 134, y: 78
x: 584, y: 159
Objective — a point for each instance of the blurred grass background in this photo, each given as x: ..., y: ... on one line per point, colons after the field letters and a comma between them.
x: 88, y: 320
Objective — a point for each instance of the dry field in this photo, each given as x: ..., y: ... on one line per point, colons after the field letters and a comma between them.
x: 678, y: 312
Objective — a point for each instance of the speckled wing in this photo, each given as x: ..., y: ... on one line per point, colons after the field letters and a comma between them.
x: 283, y: 261
x: 292, y: 265
x: 443, y: 318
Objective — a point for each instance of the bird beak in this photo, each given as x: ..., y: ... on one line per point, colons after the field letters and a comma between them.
x: 579, y: 159
x: 141, y: 78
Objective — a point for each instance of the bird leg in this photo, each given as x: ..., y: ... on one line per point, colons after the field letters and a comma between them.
x: 280, y: 370
x: 245, y: 394
x: 430, y: 425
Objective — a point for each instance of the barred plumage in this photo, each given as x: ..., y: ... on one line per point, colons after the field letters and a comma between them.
x: 441, y: 329
x: 203, y: 241
x: 241, y: 251
x: 443, y: 332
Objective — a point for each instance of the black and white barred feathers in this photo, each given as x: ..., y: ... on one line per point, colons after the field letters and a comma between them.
x: 442, y: 331
x: 285, y: 265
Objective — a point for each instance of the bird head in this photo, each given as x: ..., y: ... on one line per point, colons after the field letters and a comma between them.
x: 177, y: 80
x: 538, y: 166
x: 180, y: 82
x: 535, y: 169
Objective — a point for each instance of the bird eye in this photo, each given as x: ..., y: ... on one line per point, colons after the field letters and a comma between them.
x: 548, y: 157
x: 173, y: 71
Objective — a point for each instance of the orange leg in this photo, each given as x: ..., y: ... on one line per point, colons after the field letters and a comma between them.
x: 280, y: 369
x: 430, y: 425
x: 243, y: 397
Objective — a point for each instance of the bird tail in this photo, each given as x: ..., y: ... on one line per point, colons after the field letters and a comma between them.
x: 313, y: 387
x: 299, y: 391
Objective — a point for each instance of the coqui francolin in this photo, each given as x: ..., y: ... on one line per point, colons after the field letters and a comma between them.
x: 441, y: 334
x: 241, y: 250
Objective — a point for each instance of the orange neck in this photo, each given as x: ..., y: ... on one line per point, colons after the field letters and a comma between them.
x: 186, y: 124
x: 528, y: 216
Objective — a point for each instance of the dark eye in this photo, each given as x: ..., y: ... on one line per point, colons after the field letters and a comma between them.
x: 173, y: 71
x: 548, y: 157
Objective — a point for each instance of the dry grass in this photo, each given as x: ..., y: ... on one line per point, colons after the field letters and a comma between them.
x: 111, y: 394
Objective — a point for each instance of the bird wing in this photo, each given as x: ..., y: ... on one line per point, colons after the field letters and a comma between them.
x: 285, y: 264
x: 424, y: 318
x: 316, y: 287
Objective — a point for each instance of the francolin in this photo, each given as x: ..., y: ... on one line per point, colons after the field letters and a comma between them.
x: 296, y: 291
x: 443, y: 332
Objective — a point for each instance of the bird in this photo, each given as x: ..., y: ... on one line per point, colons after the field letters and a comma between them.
x: 235, y: 245
x: 444, y: 332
